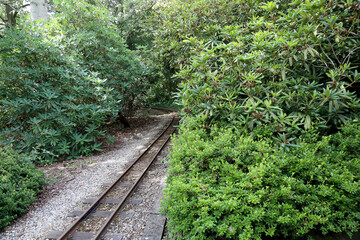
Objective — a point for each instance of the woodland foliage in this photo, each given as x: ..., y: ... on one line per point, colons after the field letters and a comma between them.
x: 49, y: 105
x: 226, y: 185
x: 20, y: 182
x: 266, y: 88
x: 291, y: 64
x: 269, y: 145
x: 60, y: 82
x: 91, y: 35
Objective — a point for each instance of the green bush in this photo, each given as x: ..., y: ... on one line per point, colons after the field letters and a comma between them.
x: 92, y: 37
x: 49, y: 104
x: 289, y: 64
x: 224, y: 185
x: 282, y: 77
x: 348, y: 141
x: 62, y: 80
x: 20, y: 182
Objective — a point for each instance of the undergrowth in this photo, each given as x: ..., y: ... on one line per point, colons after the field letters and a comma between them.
x: 20, y: 182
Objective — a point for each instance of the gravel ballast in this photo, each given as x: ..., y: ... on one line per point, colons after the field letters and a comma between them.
x: 50, y: 213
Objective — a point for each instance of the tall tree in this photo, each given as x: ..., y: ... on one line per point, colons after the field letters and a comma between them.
x: 38, y: 9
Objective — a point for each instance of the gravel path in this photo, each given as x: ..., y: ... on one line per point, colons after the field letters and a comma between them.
x: 100, y: 169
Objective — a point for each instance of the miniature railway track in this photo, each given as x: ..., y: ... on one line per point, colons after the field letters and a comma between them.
x: 131, y: 177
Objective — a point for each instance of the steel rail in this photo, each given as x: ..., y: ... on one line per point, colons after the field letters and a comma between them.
x: 95, y: 204
x: 164, y: 227
x: 120, y: 205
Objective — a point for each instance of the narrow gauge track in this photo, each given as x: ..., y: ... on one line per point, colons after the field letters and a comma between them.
x: 130, y: 175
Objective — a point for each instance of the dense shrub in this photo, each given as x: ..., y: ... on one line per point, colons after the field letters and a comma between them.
x: 62, y: 81
x: 91, y: 36
x: 49, y: 104
x: 20, y: 182
x: 291, y: 64
x: 268, y: 85
x: 224, y: 185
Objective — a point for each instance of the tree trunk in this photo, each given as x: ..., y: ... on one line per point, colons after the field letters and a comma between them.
x: 38, y: 10
x: 10, y: 16
x: 123, y: 120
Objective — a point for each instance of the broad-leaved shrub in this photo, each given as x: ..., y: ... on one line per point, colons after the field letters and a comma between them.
x: 90, y: 34
x: 293, y: 65
x: 49, y: 104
